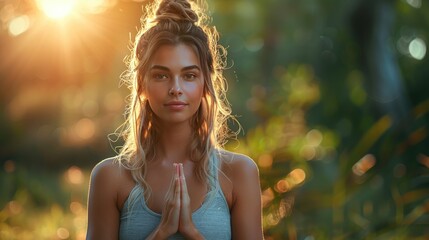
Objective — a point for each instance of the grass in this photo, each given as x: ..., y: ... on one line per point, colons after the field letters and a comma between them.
x: 38, y: 204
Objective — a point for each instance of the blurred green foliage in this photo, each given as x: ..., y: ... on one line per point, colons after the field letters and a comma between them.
x: 335, y: 161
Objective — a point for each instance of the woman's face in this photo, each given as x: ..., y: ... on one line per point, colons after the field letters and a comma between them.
x: 175, y: 83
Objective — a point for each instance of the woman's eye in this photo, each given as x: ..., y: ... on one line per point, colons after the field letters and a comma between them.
x: 160, y: 76
x: 190, y: 76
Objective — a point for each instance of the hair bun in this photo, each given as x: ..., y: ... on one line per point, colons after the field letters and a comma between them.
x: 175, y: 10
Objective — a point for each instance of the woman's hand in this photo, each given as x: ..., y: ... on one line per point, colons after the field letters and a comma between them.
x: 169, y: 224
x: 177, y: 213
x: 186, y: 226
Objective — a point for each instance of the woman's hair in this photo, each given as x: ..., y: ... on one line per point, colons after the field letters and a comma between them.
x: 174, y: 22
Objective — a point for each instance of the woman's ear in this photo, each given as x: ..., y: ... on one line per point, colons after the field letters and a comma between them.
x: 142, y: 97
x: 141, y: 91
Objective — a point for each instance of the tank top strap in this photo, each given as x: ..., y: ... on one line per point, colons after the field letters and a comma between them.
x: 213, y: 178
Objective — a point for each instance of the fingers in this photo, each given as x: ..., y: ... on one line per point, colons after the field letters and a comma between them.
x: 171, y: 189
x: 186, y: 225
x: 177, y: 166
x: 176, y: 185
x: 184, y: 197
x: 171, y: 213
x: 178, y: 195
x: 173, y: 194
x: 183, y: 185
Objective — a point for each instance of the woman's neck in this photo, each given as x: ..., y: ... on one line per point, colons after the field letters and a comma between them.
x: 174, y: 143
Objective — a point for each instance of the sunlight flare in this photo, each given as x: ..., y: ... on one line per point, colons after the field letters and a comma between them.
x: 56, y: 9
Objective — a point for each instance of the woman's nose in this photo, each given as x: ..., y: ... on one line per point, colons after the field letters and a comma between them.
x: 175, y: 89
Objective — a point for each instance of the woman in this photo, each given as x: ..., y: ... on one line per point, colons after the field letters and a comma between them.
x: 172, y: 179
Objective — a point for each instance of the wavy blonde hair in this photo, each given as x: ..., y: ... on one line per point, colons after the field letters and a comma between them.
x: 174, y: 22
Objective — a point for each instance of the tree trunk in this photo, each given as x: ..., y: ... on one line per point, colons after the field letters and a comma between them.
x: 372, y: 22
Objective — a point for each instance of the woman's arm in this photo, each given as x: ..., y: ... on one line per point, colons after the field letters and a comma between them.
x: 103, y: 213
x: 246, y: 215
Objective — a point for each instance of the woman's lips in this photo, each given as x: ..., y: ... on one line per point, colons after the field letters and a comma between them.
x: 176, y: 105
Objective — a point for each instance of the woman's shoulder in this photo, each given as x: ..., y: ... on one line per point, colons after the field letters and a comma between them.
x: 111, y: 180
x: 108, y: 166
x: 238, y: 164
x: 110, y: 171
x: 242, y: 176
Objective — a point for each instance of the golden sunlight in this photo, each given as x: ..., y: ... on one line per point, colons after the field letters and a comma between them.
x: 56, y: 9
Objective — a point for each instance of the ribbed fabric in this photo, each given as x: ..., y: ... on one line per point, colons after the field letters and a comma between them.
x: 212, y: 219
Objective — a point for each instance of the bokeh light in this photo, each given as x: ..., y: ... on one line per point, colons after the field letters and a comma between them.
x: 364, y: 164
x: 76, y: 208
x: 9, y: 166
x: 417, y: 48
x: 415, y: 3
x: 63, y: 233
x: 265, y: 160
x: 267, y: 196
x: 283, y: 186
x: 74, y: 175
x: 297, y: 175
x: 19, y: 25
x: 314, y: 137
x: 292, y: 180
x: 308, y: 152
x: 423, y: 159
x: 85, y: 128
x: 56, y: 9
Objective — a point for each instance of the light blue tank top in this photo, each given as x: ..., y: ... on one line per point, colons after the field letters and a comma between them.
x: 212, y: 219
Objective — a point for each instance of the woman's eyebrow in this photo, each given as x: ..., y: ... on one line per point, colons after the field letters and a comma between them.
x: 191, y: 68
x: 159, y: 67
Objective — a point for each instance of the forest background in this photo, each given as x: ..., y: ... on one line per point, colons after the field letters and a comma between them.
x: 332, y: 97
